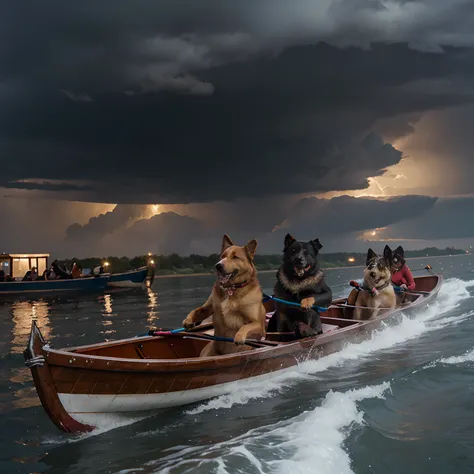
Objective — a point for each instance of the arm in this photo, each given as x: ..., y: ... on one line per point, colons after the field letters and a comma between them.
x: 198, y: 315
x: 411, y: 285
x: 320, y: 297
x: 256, y: 325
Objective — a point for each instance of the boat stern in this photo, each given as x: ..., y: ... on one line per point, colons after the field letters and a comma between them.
x: 35, y: 360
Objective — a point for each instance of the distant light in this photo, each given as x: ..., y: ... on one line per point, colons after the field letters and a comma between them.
x: 149, y: 254
x: 351, y: 259
x: 106, y: 264
x: 152, y: 262
x: 374, y: 232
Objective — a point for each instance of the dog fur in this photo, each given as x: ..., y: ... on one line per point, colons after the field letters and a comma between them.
x: 235, y: 302
x: 377, y: 275
x: 300, y: 280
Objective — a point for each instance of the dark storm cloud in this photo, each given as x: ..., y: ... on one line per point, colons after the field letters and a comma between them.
x: 121, y: 217
x: 124, y: 232
x: 349, y: 214
x: 171, y: 232
x: 46, y: 186
x: 199, y: 101
x: 449, y: 218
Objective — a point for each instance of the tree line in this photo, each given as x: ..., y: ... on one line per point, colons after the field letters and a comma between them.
x: 177, y: 264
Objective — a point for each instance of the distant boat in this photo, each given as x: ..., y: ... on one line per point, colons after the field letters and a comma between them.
x: 130, y: 279
x: 15, y: 266
x: 46, y: 286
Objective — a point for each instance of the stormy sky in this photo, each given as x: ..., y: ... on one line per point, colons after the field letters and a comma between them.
x: 128, y: 127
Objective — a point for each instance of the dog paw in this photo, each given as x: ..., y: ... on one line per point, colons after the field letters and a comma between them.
x: 239, y: 338
x: 188, y: 323
x: 307, y: 303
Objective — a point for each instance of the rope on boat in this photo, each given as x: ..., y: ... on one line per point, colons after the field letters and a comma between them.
x: 37, y: 361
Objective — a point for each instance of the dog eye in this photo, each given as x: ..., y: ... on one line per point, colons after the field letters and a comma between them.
x: 235, y: 257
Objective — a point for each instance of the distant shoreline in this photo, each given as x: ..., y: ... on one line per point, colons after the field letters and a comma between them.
x: 184, y: 275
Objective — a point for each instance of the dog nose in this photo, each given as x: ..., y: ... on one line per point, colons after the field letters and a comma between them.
x: 219, y: 267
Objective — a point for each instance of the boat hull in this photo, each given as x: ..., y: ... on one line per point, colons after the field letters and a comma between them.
x: 51, y: 286
x: 90, y: 386
x: 132, y: 279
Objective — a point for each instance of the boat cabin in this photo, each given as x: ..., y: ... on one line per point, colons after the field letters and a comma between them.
x: 16, y: 264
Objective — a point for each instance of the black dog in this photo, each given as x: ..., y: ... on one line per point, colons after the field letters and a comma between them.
x: 300, y: 280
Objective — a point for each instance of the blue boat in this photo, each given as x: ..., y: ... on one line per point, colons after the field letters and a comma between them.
x: 15, y: 267
x: 130, y: 279
x: 46, y: 286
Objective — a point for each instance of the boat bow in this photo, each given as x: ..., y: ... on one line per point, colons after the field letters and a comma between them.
x: 35, y: 360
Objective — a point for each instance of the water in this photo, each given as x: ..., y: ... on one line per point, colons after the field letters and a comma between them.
x: 400, y: 402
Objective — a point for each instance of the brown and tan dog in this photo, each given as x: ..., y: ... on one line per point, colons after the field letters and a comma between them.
x: 377, y: 291
x: 235, y: 302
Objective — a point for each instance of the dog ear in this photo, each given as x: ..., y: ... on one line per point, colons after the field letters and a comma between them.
x: 387, y: 253
x: 399, y: 250
x: 251, y: 248
x: 316, y: 244
x: 289, y: 239
x: 226, y: 243
x: 370, y: 255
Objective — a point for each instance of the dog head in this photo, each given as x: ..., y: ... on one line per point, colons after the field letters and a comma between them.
x: 300, y: 259
x: 236, y: 263
x: 398, y: 258
x: 377, y: 269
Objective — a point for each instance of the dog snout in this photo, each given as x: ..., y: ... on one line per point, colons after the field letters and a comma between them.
x: 219, y: 267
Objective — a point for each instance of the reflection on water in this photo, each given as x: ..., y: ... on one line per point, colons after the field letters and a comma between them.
x: 107, y: 304
x: 107, y: 312
x: 152, y: 313
x: 24, y: 312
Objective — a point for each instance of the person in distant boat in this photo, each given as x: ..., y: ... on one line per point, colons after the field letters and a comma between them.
x: 33, y: 274
x: 58, y: 271
x: 98, y: 270
x: 401, y: 273
x: 27, y: 276
x: 75, y: 272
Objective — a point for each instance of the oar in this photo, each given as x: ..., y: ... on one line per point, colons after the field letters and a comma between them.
x: 290, y: 303
x: 249, y: 342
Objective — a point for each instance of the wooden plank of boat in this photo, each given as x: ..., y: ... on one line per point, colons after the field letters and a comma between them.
x: 47, y: 286
x: 130, y: 279
x: 86, y: 387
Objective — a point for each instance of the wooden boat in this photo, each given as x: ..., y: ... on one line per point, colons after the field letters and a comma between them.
x: 130, y: 279
x: 86, y: 387
x: 47, y: 286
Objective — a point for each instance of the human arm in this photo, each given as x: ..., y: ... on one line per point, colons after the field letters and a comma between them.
x: 410, y: 281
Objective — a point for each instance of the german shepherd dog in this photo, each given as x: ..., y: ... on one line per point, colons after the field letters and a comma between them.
x: 377, y: 290
x: 300, y: 280
x: 235, y: 302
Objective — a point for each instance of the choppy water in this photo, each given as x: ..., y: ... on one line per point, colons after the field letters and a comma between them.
x: 402, y: 402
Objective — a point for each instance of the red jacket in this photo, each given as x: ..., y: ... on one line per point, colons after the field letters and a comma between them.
x: 404, y: 276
